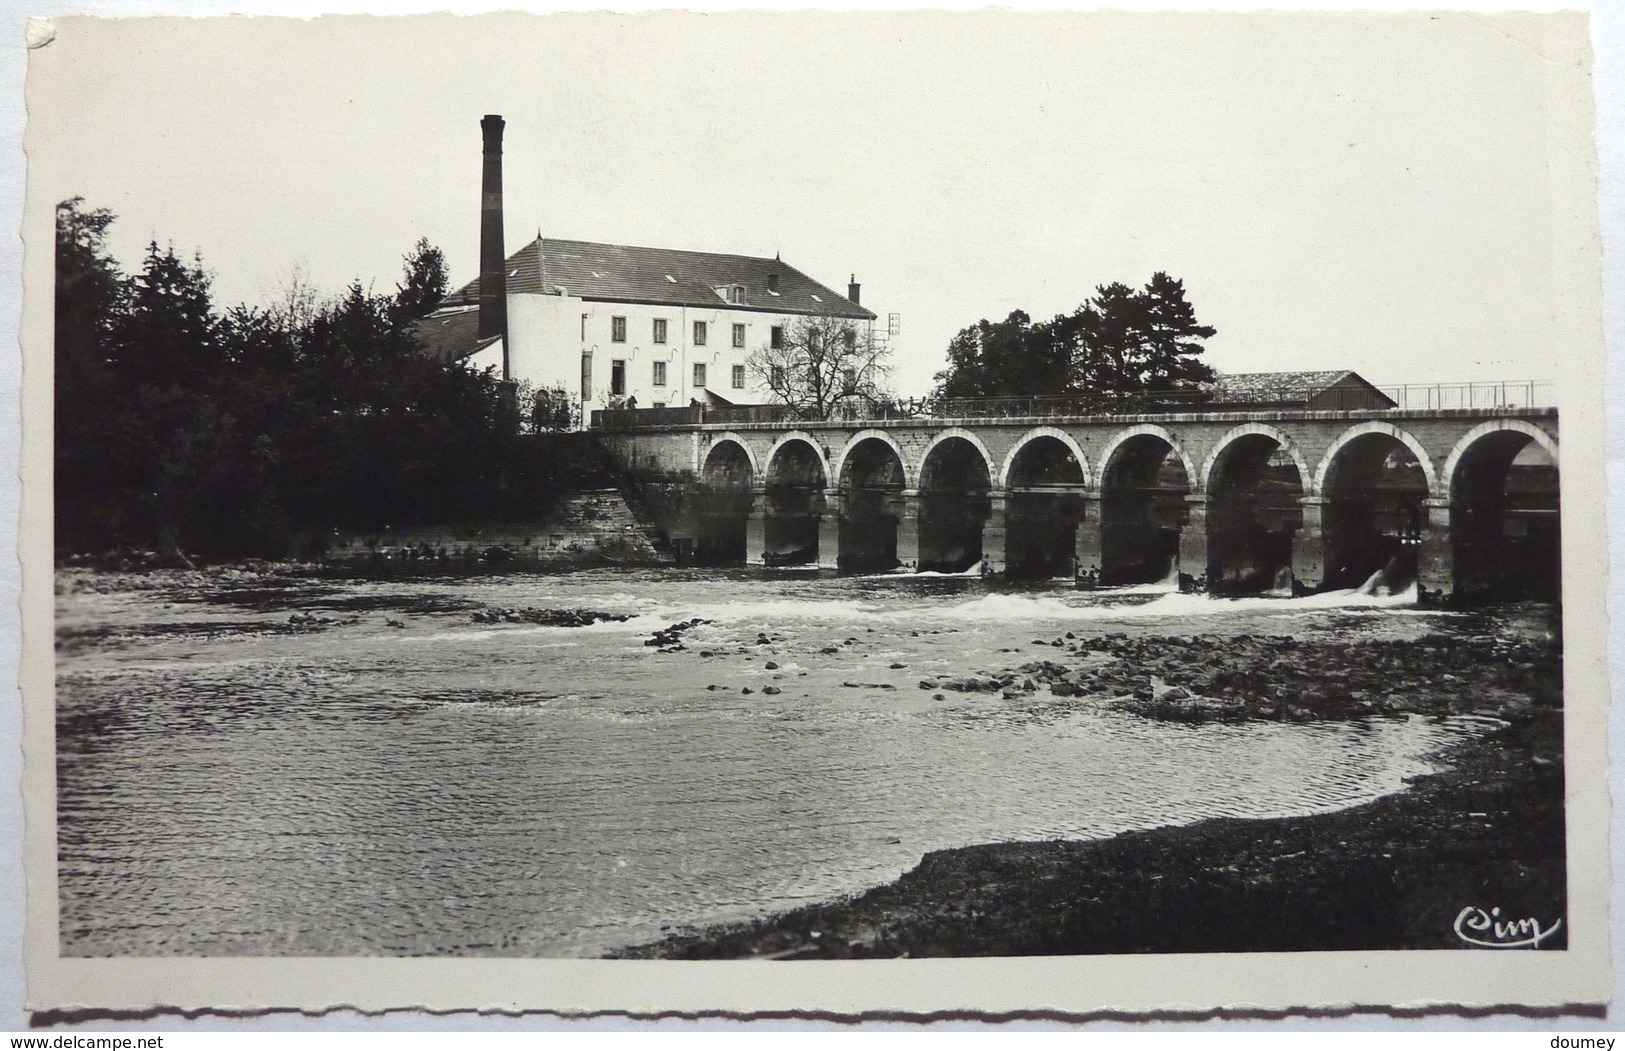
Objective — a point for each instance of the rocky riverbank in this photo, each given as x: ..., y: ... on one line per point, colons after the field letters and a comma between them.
x: 1485, y: 832
x: 1236, y: 678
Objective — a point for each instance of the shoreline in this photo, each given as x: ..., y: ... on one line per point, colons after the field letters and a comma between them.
x: 1394, y: 873
x: 1486, y: 831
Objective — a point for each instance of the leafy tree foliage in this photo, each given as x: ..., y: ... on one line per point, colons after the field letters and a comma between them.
x: 261, y: 432
x: 424, y: 284
x: 1120, y: 341
x: 823, y: 364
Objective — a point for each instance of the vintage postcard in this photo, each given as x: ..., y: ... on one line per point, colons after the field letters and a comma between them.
x: 868, y: 512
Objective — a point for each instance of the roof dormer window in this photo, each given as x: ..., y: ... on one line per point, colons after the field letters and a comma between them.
x: 736, y: 293
x: 773, y: 283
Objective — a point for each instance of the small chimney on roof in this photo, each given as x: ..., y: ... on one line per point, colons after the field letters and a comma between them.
x: 852, y: 290
x: 493, y: 259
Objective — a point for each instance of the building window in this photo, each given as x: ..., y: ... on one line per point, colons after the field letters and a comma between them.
x: 583, y: 328
x: 736, y: 294
x: 773, y: 283
x: 851, y: 337
x: 660, y: 374
x: 739, y: 335
x: 699, y: 333
x: 660, y: 405
x: 660, y: 330
x: 739, y: 377
x: 775, y: 339
x: 617, y: 330
x: 699, y: 374
x: 617, y: 378
x: 586, y: 375
x: 776, y: 377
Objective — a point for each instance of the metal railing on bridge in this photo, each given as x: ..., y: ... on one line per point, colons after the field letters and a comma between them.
x: 1499, y: 394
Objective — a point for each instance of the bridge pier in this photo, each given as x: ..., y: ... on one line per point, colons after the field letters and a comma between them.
x: 1435, y: 556
x: 908, y: 531
x: 1309, y: 546
x: 1192, y: 563
x: 829, y: 531
x: 1086, y: 545
x: 993, y: 533
x: 756, y: 493
x: 756, y: 529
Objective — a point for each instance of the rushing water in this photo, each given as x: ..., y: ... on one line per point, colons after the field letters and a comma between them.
x: 233, y: 784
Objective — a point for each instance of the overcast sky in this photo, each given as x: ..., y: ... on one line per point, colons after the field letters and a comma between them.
x: 1371, y: 192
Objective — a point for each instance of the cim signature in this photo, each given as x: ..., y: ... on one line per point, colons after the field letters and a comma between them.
x: 1477, y: 927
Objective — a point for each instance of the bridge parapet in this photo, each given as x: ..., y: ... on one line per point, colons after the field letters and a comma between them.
x: 1248, y: 498
x: 691, y: 421
x: 1474, y: 397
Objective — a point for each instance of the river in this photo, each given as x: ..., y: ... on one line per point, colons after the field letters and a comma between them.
x: 386, y: 776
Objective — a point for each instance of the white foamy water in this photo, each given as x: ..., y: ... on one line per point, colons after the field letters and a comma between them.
x: 230, y: 785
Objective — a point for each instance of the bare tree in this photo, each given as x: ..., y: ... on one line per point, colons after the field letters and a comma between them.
x: 295, y: 301
x: 824, y: 366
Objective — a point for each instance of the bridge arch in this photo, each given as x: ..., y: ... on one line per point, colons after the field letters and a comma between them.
x: 724, y: 438
x: 790, y: 438
x: 944, y: 435
x: 1375, y: 495
x: 793, y: 501
x: 838, y: 475
x: 1146, y: 479
x: 1452, y: 463
x: 720, y: 505
x: 1128, y: 434
x: 1360, y: 430
x: 1502, y: 484
x: 872, y: 477
x: 954, y: 479
x: 1046, y: 477
x: 1071, y: 443
x: 1255, y: 479
x: 1264, y: 430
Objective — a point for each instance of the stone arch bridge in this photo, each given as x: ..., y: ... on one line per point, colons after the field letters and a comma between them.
x: 1464, y: 501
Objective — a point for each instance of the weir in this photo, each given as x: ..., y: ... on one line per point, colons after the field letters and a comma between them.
x: 1462, y: 502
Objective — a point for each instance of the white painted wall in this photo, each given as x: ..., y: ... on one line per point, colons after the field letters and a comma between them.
x: 550, y: 334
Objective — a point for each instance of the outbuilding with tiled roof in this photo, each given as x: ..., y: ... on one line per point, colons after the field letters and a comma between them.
x: 1328, y: 390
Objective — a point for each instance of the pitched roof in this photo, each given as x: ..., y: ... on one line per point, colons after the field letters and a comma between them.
x: 1266, y: 387
x: 451, y: 335
x: 661, y: 276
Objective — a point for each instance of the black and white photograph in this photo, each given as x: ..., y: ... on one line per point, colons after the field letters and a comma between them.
x: 1109, y: 503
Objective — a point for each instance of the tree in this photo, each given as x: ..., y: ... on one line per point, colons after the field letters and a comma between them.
x: 89, y: 449
x: 1001, y: 358
x: 260, y: 431
x: 297, y: 302
x: 165, y: 336
x: 1126, y: 341
x: 1121, y: 341
x: 424, y: 283
x: 88, y: 284
x: 823, y: 363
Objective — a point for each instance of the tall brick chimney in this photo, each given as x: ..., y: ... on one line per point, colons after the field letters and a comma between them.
x: 493, y: 260
x: 852, y: 289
